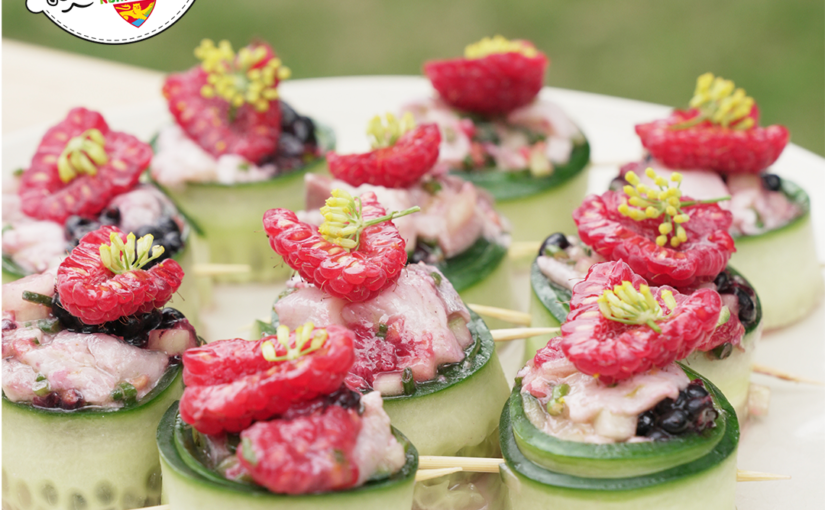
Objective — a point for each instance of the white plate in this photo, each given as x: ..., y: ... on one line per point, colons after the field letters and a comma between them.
x: 790, y: 440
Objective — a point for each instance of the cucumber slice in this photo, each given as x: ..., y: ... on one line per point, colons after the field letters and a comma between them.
x: 782, y: 265
x: 86, y: 459
x: 707, y: 483
x: 188, y: 484
x: 533, y: 205
x: 230, y: 216
x: 549, y: 308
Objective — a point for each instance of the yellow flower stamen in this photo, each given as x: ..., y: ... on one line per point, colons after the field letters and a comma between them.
x: 498, y: 44
x: 627, y: 305
x: 307, y: 340
x: 83, y: 154
x: 384, y: 133
x: 120, y: 257
x: 246, y: 78
x: 720, y: 102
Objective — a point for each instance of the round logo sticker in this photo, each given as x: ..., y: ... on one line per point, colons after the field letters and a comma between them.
x: 112, y: 21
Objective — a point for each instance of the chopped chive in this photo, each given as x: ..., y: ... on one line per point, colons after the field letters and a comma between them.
x: 556, y: 405
x: 40, y: 377
x: 41, y: 388
x: 407, y: 381
x: 432, y: 187
x: 382, y: 330
x: 436, y: 277
x: 49, y: 325
x: 18, y: 172
x: 125, y: 392
x: 38, y: 299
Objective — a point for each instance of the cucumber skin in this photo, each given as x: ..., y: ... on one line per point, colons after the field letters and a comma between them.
x: 696, y: 485
x: 53, y: 459
x: 185, y: 489
x: 732, y: 374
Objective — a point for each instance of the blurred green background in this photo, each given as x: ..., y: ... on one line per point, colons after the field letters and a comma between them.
x: 651, y: 50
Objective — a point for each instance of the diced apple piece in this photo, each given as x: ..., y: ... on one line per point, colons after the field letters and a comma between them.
x: 24, y: 310
x: 388, y: 384
x: 171, y: 341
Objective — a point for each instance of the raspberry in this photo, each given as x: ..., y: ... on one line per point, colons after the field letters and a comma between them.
x: 303, y: 455
x: 614, y: 350
x: 496, y: 83
x: 355, y: 274
x: 230, y: 384
x: 201, y: 108
x: 397, y: 166
x: 95, y: 294
x: 46, y: 193
x: 614, y: 236
x: 711, y: 147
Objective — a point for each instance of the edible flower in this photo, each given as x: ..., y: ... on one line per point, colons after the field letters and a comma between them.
x: 498, y: 44
x: 384, y: 133
x: 250, y: 77
x: 120, y: 257
x: 82, y: 155
x: 648, y: 202
x: 307, y: 340
x: 627, y: 305
x: 344, y: 220
x: 719, y: 102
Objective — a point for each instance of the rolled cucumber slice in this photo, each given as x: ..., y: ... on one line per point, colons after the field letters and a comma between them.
x: 230, y: 216
x: 537, y: 205
x: 549, y: 308
x: 86, y: 459
x: 782, y: 265
x: 187, y: 484
x: 705, y: 483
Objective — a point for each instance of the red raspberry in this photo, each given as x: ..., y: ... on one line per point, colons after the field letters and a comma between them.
x: 398, y: 166
x: 216, y: 126
x: 45, y: 196
x: 303, y: 455
x: 615, y: 237
x: 712, y: 147
x: 615, y: 351
x: 230, y: 384
x: 355, y: 275
x: 495, y: 84
x: 94, y: 294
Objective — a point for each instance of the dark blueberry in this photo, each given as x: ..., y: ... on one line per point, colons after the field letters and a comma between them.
x: 426, y: 252
x: 772, y: 182
x: 680, y: 400
x: 695, y: 406
x: 172, y: 242
x: 143, y: 230
x: 558, y: 239
x: 722, y: 351
x: 290, y: 146
x: 69, y: 321
x: 675, y: 421
x: 72, y: 399
x: 304, y: 130
x: 659, y: 435
x: 169, y: 316
x: 8, y: 325
x: 747, y: 304
x: 152, y: 320
x: 665, y: 406
x: 345, y: 398
x: 168, y: 224
x: 696, y: 390
x: 288, y: 117
x: 49, y: 401
x: 77, y: 227
x: 722, y: 282
x: 110, y: 216
x: 130, y: 329
x: 645, y: 423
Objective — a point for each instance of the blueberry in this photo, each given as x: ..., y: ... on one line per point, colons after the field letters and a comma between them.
x: 645, y: 423
x: 168, y: 224
x: 304, y: 130
x: 696, y: 390
x: 663, y: 407
x: 110, y: 216
x: 288, y: 117
x: 130, y: 329
x: 695, y: 406
x: 747, y: 305
x: 772, y: 182
x: 675, y: 421
x: 69, y: 321
x: 152, y: 320
x: 169, y: 316
x: 558, y: 239
x: 71, y: 399
x: 172, y: 243
x: 77, y: 227
x: 722, y: 282
x: 290, y: 146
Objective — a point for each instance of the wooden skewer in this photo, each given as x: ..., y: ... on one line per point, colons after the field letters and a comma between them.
x: 521, y: 318
x: 220, y: 269
x: 428, y: 474
x: 505, y: 335
x: 484, y: 465
x: 785, y: 376
x: 523, y: 249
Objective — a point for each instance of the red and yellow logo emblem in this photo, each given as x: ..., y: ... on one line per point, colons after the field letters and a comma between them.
x: 136, y: 13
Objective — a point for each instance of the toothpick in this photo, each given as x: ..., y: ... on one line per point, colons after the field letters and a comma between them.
x: 505, y: 335
x: 521, y: 318
x: 428, y: 474
x: 220, y: 269
x: 523, y: 249
x: 785, y: 376
x: 756, y: 476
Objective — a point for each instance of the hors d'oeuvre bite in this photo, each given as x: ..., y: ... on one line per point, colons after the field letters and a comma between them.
x: 498, y: 134
x: 720, y: 149
x: 457, y: 229
x: 432, y: 360
x: 604, y: 416
x: 611, y: 227
x: 91, y: 361
x: 271, y: 423
x: 82, y: 176
x: 237, y: 144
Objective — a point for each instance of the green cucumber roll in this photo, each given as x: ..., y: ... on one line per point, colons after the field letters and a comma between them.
x: 233, y: 153
x: 271, y: 422
x: 565, y: 261
x: 90, y: 364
